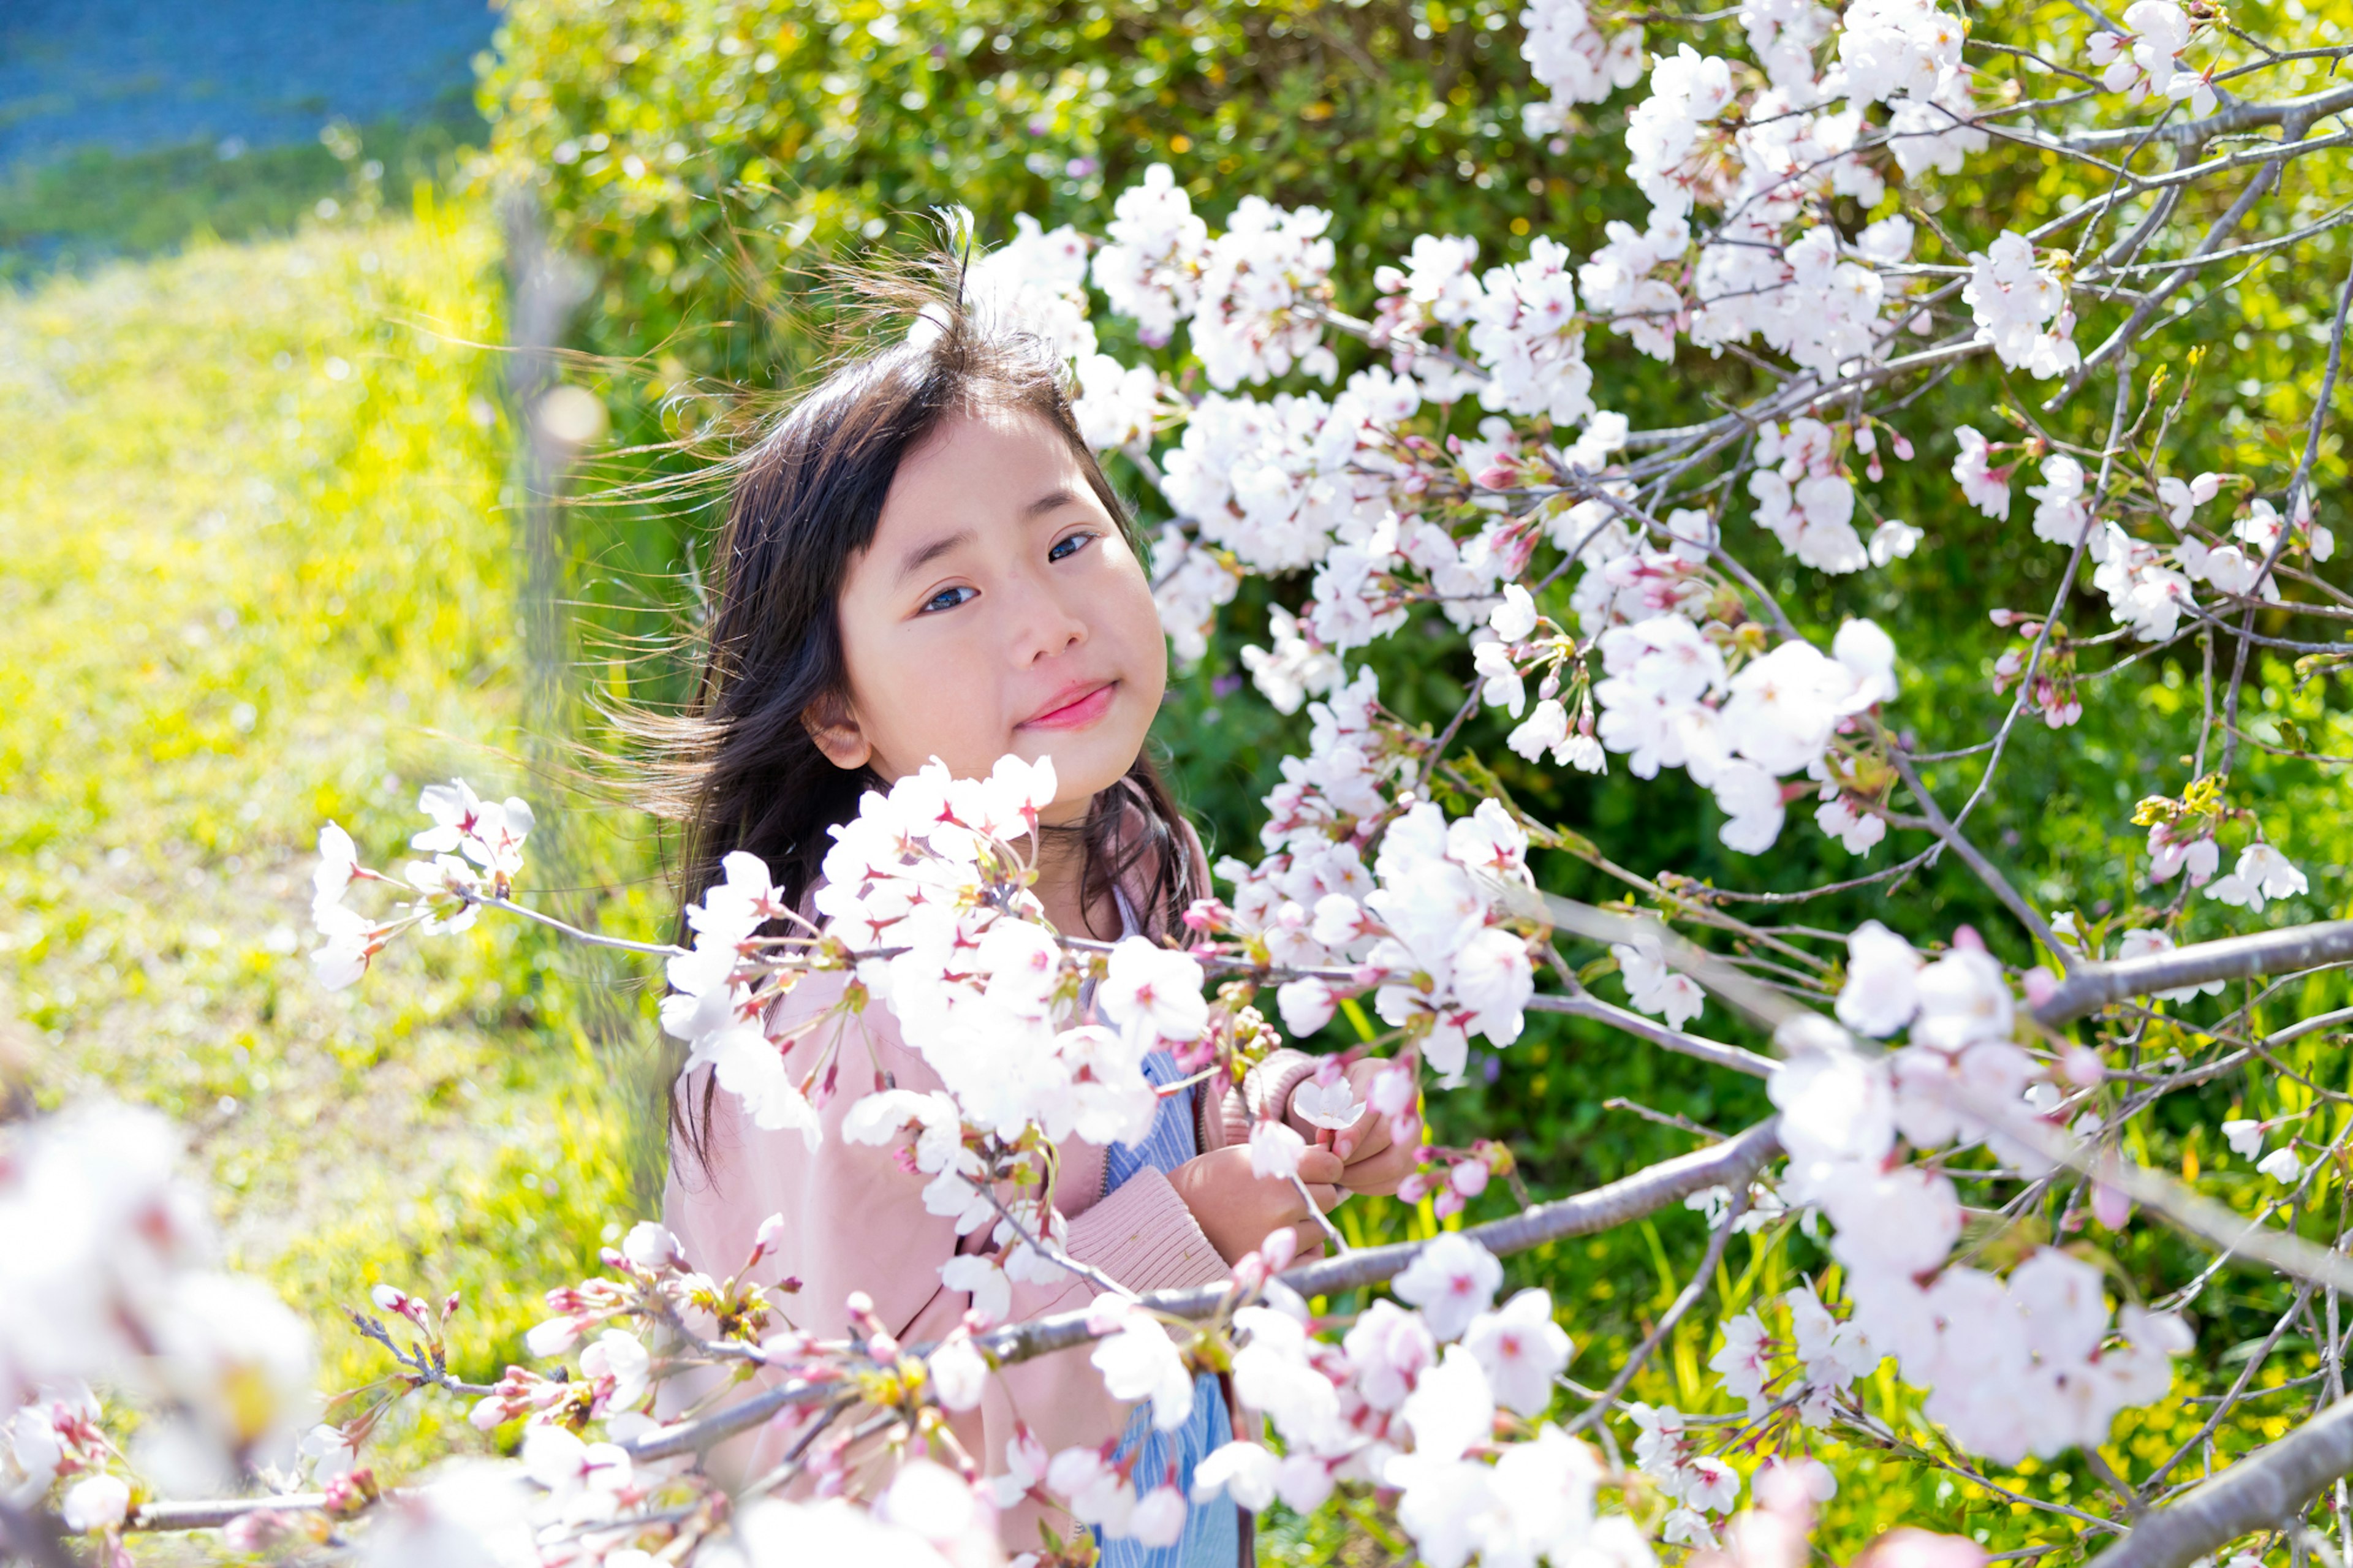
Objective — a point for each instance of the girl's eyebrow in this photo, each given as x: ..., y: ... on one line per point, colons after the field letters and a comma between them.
x: 924, y: 555
x: 1061, y: 496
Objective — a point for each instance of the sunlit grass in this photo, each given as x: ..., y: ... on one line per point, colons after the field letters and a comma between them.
x: 258, y: 574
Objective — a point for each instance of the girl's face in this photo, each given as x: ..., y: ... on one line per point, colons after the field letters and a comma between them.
x: 997, y: 610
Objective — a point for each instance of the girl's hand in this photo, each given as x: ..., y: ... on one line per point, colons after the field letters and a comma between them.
x: 1238, y: 1210
x: 1373, y: 1162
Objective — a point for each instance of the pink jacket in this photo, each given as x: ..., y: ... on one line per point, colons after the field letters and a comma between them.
x: 855, y: 1221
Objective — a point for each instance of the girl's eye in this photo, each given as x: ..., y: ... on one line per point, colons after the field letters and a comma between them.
x: 1067, y: 548
x: 948, y: 599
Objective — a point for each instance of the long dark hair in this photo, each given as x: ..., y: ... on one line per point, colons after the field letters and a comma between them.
x: 738, y: 768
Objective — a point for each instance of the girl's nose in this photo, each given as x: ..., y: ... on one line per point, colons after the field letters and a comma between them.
x: 1046, y: 627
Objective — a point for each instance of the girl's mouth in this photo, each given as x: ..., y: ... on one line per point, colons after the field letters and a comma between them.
x: 1075, y: 708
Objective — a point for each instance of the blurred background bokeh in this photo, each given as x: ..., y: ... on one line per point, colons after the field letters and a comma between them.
x: 285, y: 534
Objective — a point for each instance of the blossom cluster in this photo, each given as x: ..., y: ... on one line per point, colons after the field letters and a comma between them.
x: 477, y: 849
x: 2033, y: 1363
x: 1670, y: 698
x: 113, y: 1283
x: 1408, y: 1398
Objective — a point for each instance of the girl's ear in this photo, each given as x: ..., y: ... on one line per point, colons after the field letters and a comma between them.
x: 835, y: 729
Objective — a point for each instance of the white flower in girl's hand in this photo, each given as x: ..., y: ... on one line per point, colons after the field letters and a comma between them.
x: 1331, y: 1106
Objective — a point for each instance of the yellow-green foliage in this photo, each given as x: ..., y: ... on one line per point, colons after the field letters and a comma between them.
x: 257, y: 574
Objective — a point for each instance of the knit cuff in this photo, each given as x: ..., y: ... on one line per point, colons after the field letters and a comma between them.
x: 1142, y: 1235
x: 1265, y: 1092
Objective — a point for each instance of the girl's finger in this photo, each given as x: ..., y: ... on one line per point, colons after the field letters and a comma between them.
x: 1327, y: 1198
x: 1320, y: 1167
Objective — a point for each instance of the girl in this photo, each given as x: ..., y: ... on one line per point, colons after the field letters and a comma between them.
x: 921, y: 559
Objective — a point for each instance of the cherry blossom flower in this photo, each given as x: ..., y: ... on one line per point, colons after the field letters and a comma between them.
x: 1158, y: 1519
x: 98, y: 1502
x: 1963, y: 998
x: 1153, y: 992
x: 1275, y: 1149
x: 2145, y: 941
x: 1520, y: 1349
x: 1984, y: 487
x: 1241, y: 1470
x: 1652, y: 987
x: 2172, y: 851
x: 488, y: 833
x: 1452, y: 1280
x: 2263, y: 872
x: 1333, y: 1106
x: 1139, y: 1362
x: 2061, y: 514
x: 2012, y: 299
x: 1883, y: 982
x: 1035, y: 282
x: 1574, y: 58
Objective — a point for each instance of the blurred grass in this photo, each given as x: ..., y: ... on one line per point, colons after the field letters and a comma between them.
x: 96, y: 205
x: 258, y: 574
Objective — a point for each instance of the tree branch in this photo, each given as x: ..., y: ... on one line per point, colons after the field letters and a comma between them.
x: 1732, y: 1164
x: 1583, y: 1005
x: 2263, y: 1489
x: 2095, y: 985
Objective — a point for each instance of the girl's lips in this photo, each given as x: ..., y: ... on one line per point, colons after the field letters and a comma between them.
x: 1077, y: 714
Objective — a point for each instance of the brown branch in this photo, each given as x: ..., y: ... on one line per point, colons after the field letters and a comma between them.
x: 2261, y: 1490
x: 1584, y: 1005
x: 2095, y: 985
x: 1732, y: 1164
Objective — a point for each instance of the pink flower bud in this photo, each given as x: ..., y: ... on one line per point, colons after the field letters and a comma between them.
x: 388, y: 1299
x: 2109, y: 1207
x: 2080, y: 1064
x: 1965, y: 938
x: 1448, y: 1203
x: 1405, y: 1129
x: 1206, y: 915
x: 256, y: 1532
x: 771, y: 1237
x: 1903, y: 446
x: 1279, y: 1249
x: 1469, y: 1178
x: 2040, y: 984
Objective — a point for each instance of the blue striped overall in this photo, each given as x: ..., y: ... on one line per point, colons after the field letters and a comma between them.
x: 1213, y: 1537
